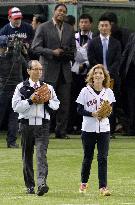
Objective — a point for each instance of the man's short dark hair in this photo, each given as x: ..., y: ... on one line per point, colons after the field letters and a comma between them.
x: 111, y: 16
x: 39, y: 18
x: 86, y: 16
x: 58, y: 5
x: 70, y: 19
x: 104, y: 18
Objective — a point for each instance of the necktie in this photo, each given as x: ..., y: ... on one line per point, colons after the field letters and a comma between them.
x: 35, y: 86
x: 83, y: 39
x: 104, y: 43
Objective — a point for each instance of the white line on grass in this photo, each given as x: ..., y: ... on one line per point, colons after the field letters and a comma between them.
x: 128, y: 203
x: 79, y: 204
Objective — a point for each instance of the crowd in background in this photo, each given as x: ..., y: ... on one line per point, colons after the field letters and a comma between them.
x: 66, y: 61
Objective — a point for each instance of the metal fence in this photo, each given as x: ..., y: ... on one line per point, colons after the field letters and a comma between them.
x: 58, y: 1
x: 40, y: 1
x: 8, y: 2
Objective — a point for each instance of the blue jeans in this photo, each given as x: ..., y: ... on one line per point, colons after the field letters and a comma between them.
x: 89, y: 140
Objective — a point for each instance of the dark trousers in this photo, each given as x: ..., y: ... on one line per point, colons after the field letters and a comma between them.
x: 37, y: 135
x: 63, y: 90
x: 116, y: 109
x: 7, y: 114
x: 78, y: 83
x: 89, y: 140
x: 131, y: 110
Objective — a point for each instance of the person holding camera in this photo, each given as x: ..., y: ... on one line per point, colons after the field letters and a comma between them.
x: 17, y: 27
x: 54, y: 40
x: 12, y: 63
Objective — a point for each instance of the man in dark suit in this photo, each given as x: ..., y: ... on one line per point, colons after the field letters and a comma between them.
x: 55, y: 42
x: 109, y: 56
x: 120, y: 33
x: 127, y: 74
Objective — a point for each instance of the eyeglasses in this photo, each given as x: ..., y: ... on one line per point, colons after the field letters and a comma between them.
x: 37, y: 69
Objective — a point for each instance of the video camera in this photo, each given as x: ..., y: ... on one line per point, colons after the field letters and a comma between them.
x: 15, y: 44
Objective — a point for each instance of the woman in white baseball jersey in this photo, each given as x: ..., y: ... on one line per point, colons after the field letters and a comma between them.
x: 94, y: 129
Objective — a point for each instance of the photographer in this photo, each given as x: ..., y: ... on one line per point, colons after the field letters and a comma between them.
x: 18, y: 28
x: 12, y: 63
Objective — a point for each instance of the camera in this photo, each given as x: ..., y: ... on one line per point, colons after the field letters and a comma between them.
x: 15, y: 44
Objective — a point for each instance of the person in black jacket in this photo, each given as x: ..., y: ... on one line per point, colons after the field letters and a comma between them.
x: 12, y: 63
x: 37, y: 20
x: 120, y: 33
x: 127, y: 74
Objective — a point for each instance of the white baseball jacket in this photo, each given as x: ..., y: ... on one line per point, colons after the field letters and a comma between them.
x: 33, y: 112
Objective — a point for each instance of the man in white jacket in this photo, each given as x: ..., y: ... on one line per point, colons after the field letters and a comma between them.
x: 80, y: 68
x: 34, y: 120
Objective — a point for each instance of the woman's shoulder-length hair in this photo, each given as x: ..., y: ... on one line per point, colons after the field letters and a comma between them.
x: 89, y: 78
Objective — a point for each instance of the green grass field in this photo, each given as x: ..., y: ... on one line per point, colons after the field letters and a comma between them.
x: 64, y: 159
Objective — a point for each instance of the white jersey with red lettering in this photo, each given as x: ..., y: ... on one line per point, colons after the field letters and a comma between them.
x: 91, y: 102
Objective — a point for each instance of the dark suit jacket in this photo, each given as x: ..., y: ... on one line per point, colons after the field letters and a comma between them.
x: 95, y: 55
x: 127, y: 56
x: 45, y: 41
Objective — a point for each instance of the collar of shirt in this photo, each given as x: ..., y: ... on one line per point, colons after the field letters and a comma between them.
x: 102, y: 37
x: 56, y: 25
x: 89, y: 34
x: 13, y: 26
x: 32, y: 83
x: 107, y: 38
x: 60, y: 30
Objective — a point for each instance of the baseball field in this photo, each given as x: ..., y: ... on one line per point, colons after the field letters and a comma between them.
x: 64, y: 159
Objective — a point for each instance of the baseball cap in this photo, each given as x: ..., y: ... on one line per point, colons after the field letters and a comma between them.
x: 15, y: 13
x: 3, y: 41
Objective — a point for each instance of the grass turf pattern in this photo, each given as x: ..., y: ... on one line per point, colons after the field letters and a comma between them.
x: 64, y: 160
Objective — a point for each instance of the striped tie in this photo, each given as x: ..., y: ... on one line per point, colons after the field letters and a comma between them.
x: 35, y: 86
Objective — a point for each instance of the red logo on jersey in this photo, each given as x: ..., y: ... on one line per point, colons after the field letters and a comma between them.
x: 92, y: 102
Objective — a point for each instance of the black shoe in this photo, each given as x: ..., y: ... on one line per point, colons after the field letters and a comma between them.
x: 30, y: 190
x: 62, y: 136
x: 13, y: 145
x: 42, y: 190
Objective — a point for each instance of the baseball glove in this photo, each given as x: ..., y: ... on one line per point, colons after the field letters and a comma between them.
x: 105, y: 109
x: 41, y: 95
